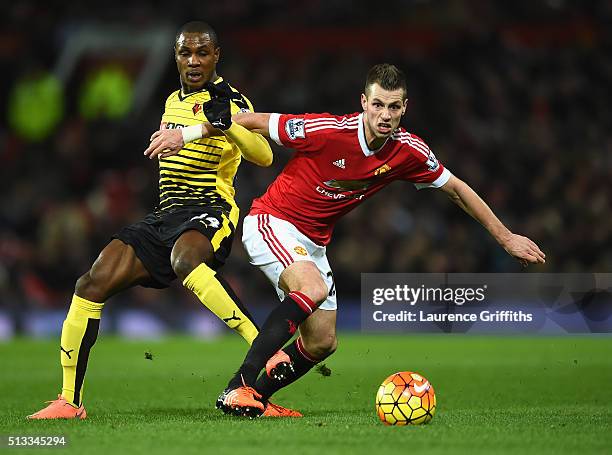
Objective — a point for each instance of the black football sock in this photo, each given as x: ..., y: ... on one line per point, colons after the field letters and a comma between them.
x: 280, y: 326
x: 302, y: 363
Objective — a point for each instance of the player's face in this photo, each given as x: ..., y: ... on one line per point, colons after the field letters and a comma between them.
x: 196, y: 59
x: 383, y: 110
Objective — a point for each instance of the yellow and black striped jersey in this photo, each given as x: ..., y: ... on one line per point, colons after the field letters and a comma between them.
x: 203, y: 172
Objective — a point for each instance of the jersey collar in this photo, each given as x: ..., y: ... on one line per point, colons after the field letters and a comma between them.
x: 362, y: 140
x: 182, y: 95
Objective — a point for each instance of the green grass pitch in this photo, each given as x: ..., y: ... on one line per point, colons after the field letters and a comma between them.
x: 495, y: 395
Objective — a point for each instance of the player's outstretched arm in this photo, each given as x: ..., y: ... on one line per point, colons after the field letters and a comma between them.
x: 168, y: 142
x: 257, y: 122
x: 518, y: 246
x: 243, y: 131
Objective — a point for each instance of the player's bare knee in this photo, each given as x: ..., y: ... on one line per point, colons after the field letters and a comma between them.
x: 90, y: 287
x: 191, y: 250
x: 83, y: 283
x: 183, y: 265
x: 316, y: 290
x: 184, y: 262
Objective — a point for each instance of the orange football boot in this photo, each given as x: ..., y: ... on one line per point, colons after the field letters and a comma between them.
x: 59, y: 409
x: 274, y: 410
x: 241, y: 401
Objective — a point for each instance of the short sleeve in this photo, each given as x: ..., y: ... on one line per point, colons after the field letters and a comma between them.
x: 425, y: 171
x: 300, y: 132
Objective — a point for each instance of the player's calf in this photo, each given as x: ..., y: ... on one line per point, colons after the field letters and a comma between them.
x: 319, y: 347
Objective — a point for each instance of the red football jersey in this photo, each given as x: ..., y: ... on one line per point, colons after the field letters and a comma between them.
x: 333, y: 170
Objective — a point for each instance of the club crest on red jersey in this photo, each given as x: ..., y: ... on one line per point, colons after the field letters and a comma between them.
x: 381, y: 170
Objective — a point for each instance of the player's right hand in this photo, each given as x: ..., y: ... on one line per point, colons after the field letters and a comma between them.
x: 165, y: 142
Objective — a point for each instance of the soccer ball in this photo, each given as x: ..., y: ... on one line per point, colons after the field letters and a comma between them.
x: 405, y: 398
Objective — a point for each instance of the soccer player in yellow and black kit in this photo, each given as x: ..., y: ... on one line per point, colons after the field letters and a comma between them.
x: 189, y: 235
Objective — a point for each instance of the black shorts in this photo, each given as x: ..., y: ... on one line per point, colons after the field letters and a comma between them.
x: 154, y: 236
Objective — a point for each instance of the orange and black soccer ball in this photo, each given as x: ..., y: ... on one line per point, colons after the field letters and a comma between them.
x: 405, y: 398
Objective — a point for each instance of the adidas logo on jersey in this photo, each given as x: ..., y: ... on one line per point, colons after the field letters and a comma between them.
x: 341, y: 163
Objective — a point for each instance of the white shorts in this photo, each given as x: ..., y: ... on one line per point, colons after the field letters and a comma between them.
x: 274, y: 244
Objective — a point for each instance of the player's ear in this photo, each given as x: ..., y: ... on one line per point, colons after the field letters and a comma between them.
x: 405, y: 106
x: 364, y: 101
x: 217, y: 54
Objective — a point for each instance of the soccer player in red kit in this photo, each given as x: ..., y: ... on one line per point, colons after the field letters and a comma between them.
x: 340, y: 161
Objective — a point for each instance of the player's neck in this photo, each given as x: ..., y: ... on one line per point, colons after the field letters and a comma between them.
x: 188, y: 90
x: 373, y: 142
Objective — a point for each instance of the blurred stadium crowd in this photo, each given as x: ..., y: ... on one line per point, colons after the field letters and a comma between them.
x: 512, y: 96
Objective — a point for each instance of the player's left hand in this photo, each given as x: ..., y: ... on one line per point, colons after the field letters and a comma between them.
x: 524, y: 250
x: 165, y: 142
x: 218, y: 110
